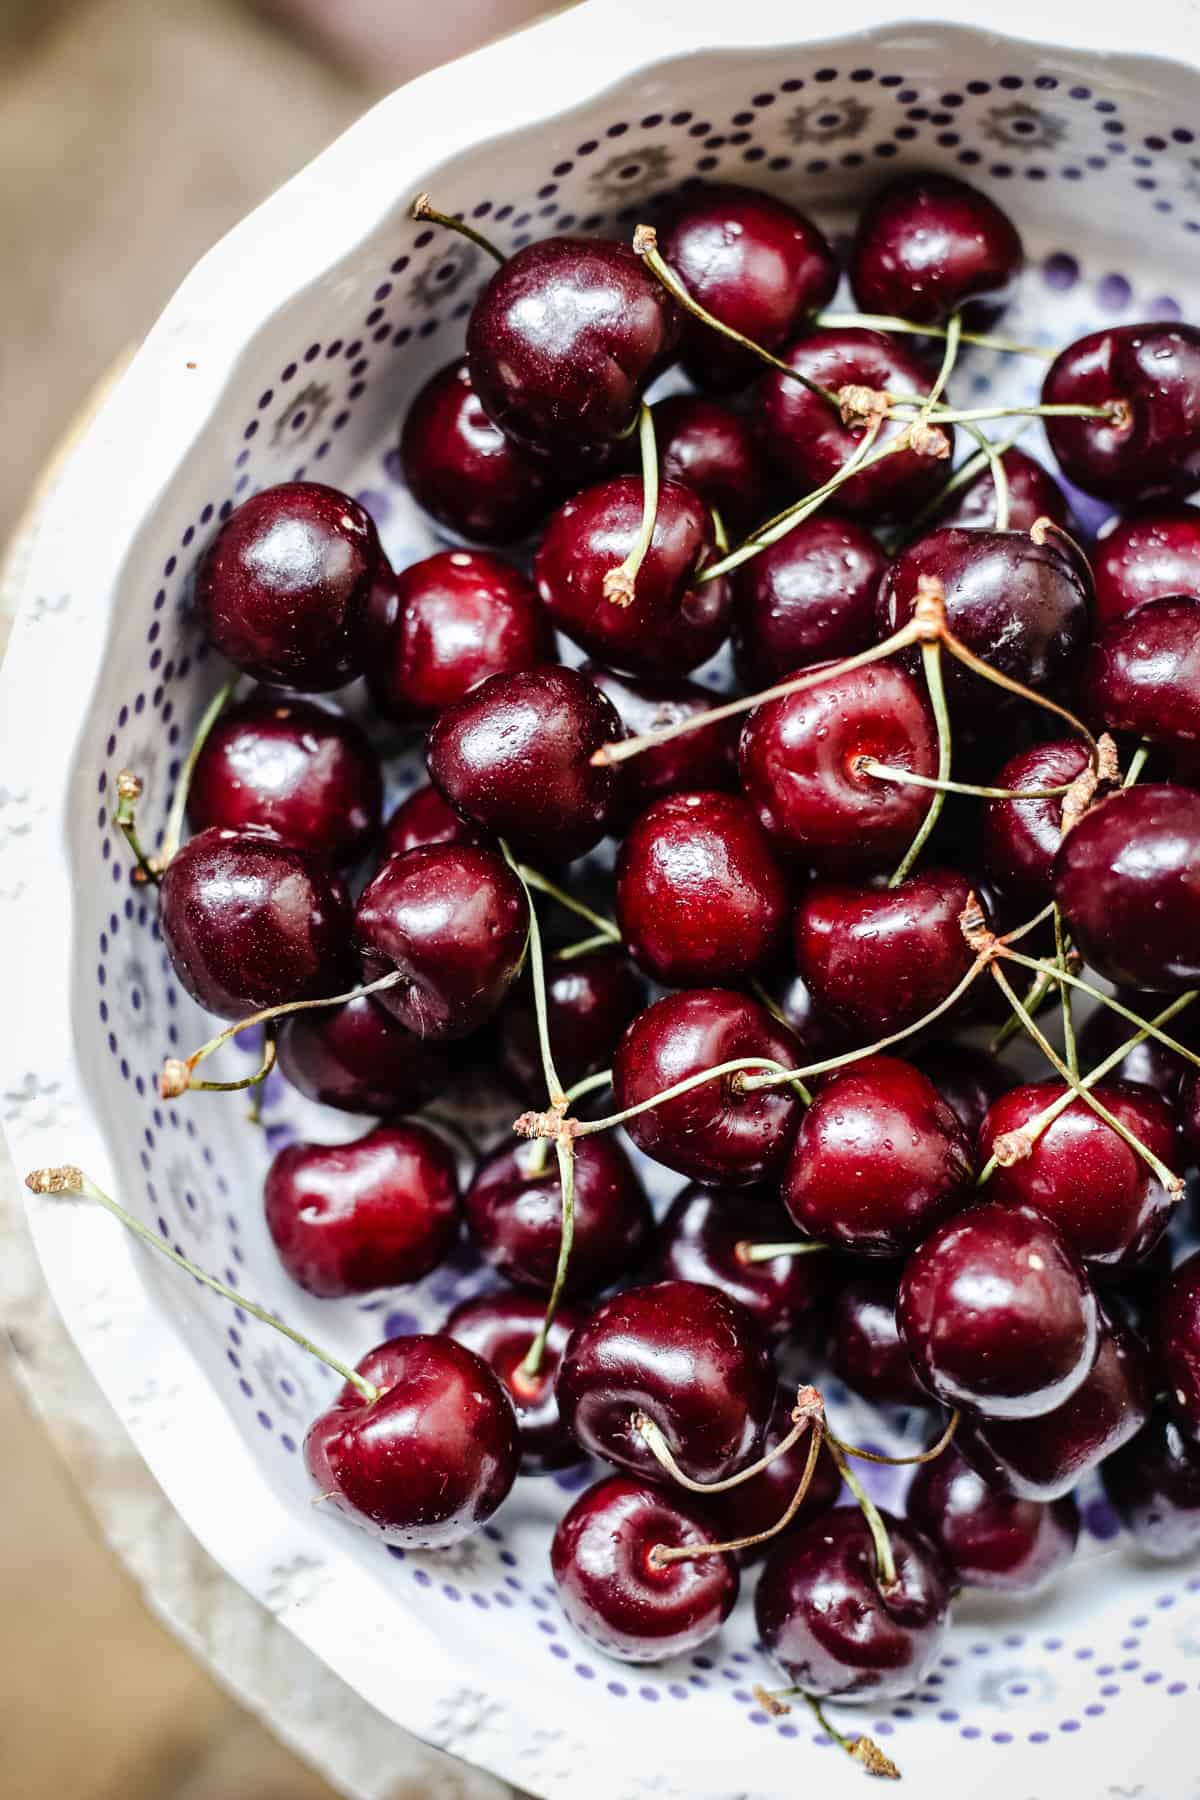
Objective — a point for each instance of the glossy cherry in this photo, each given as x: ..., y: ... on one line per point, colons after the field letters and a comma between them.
x: 714, y: 1133
x: 712, y: 451
x: 612, y: 1590
x: 689, y: 1359
x: 968, y: 1079
x: 1189, y: 1113
x: 499, y: 1328
x: 1033, y: 494
x: 424, y: 819
x: 1176, y: 1330
x: 454, y: 921
x: 700, y: 1237
x: 866, y: 1350
x: 358, y: 1058
x: 284, y: 585
x: 1149, y: 1063
x: 930, y: 244
x: 563, y: 341
x: 1142, y: 675
x: 823, y: 1617
x: 998, y: 1314
x: 463, y: 470
x: 758, y: 1504
x: 801, y: 765
x: 1154, y: 1483
x: 989, y: 1538
x: 808, y: 598
x: 754, y: 263
x: 251, y: 922
x: 1152, y: 447
x: 514, y: 756
x: 1021, y: 837
x: 1150, y: 554
x: 1127, y: 880
x: 670, y: 624
x: 694, y: 762
x: 430, y: 1460
x: 589, y: 1002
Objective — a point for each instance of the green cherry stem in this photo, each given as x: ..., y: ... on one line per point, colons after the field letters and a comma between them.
x: 946, y: 369
x: 1137, y: 763
x: 129, y: 792
x: 541, y: 1146
x: 862, y: 1749
x: 620, y: 584
x: 247, y: 1081
x: 532, y: 878
x: 887, y: 322
x: 535, y: 1124
x: 885, y: 1562
x: 867, y: 765
x: 904, y: 1462
x: 599, y: 940
x: 173, y: 833
x: 423, y: 209
x: 537, y: 971
x: 1064, y: 995
x: 1065, y: 978
x: 749, y: 1253
x: 976, y: 664
x: 931, y: 658
x: 994, y: 458
x: 808, y: 1411
x: 988, y: 453
x: 662, y: 1555
x: 531, y: 1363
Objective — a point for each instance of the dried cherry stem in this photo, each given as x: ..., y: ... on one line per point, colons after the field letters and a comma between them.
x: 531, y: 1362
x: 247, y: 1081
x: 661, y: 1555
x: 903, y: 1462
x: 931, y: 658
x: 885, y: 1562
x: 749, y: 1252
x: 1065, y: 978
x: 129, y: 792
x: 604, y: 927
x: 887, y: 322
x: 862, y: 1749
x: 989, y: 453
x: 73, y: 1183
x: 422, y: 208
x: 808, y: 1410
x: 173, y: 831
x: 620, y: 583
x: 867, y: 765
x: 969, y: 660
x: 1064, y: 995
x: 541, y: 1146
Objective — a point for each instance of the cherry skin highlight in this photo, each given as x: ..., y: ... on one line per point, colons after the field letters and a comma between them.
x: 694, y: 763
x: 699, y: 1239
x: 1150, y: 554
x: 359, y: 1059
x: 1021, y: 837
x: 1154, y: 1483
x: 866, y: 1350
x: 463, y: 470
x: 705, y: 447
x: 1033, y: 494
x: 499, y: 1328
x: 808, y: 598
x: 1152, y: 373
x: 589, y: 1002
x: 988, y: 1538
x: 1143, y: 675
x: 930, y: 244
x: 758, y: 1504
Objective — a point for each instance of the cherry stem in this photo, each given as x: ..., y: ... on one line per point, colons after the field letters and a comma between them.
x: 861, y: 1749
x: 959, y: 650
x: 537, y: 971
x: 422, y: 209
x: 779, y: 1078
x: 720, y: 535
x: 600, y: 940
x: 70, y: 1181
x: 903, y: 1462
x: 531, y: 1362
x: 749, y: 1252
x: 886, y: 322
x: 661, y: 1555
x: 129, y: 792
x: 247, y: 1081
x: 931, y: 658
x: 885, y: 1562
x: 1137, y: 763
x: 541, y: 1146
x: 987, y: 454
x: 1045, y: 527
x: 539, y: 883
x: 994, y: 457
x: 1065, y: 978
x: 173, y: 831
x: 953, y: 336
x: 867, y: 765
x: 1064, y: 995
x: 808, y: 1410
x: 1112, y: 412
x: 620, y: 584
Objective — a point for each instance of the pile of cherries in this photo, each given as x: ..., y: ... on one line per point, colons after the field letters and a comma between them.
x: 924, y: 812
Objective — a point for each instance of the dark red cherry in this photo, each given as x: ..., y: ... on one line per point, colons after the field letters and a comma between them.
x: 1033, y: 494
x: 424, y: 819
x: 454, y: 921
x: 611, y: 1588
x: 989, y: 1538
x: 713, y: 1133
x: 514, y: 1216
x: 1151, y: 554
x: 804, y: 438
x: 692, y: 763
x: 1149, y: 1063
x: 758, y: 1504
x: 1111, y: 1208
x: 1152, y: 373
x: 878, y: 1161
x: 379, y: 1212
x: 820, y: 1034
x: 1142, y: 675
x: 589, y: 1002
x: 1021, y: 607
x: 866, y: 1350
x: 1044, y: 1458
x: 754, y: 263
x: 928, y: 245
x: 358, y: 1058
x: 463, y: 470
x: 1127, y: 880
x: 499, y: 1328
x: 514, y: 756
x: 1189, y: 1112
x: 700, y: 897
x: 712, y: 451
x: 699, y: 1240
x: 563, y: 341
x: 303, y: 771
x: 1176, y: 1332
x: 968, y: 1079
x: 823, y: 1617
x: 801, y: 764
x: 284, y: 585
x: 1154, y: 1483
x: 1021, y: 837
x: 670, y: 624
x: 251, y: 922
x: 689, y: 1359
x: 877, y: 959
x: 431, y: 1459
x: 998, y: 1314
x: 808, y: 598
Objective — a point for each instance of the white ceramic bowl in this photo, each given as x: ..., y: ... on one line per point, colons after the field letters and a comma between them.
x: 294, y: 346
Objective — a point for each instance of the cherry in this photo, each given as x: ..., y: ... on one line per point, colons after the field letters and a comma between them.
x: 1111, y: 1208
x: 801, y: 765
x: 804, y: 438
x: 713, y: 1133
x: 1189, y: 1113
x: 350, y: 1218
x: 514, y: 1215
x: 562, y: 342
x: 302, y: 771
x: 989, y: 1538
x: 998, y: 1314
x: 589, y: 1002
x: 1021, y: 837
x: 866, y: 1350
x: 1151, y: 554
x: 1127, y: 880
x: 758, y: 1504
x: 1154, y: 1483
x: 711, y: 450
x: 514, y: 756
x: 703, y: 1237
x: 967, y: 1079
x: 430, y: 1459
x: 820, y: 1034
x: 1022, y: 607
x: 878, y: 959
x: 1143, y: 674
x: 425, y: 818
x: 754, y: 263
x: 1033, y: 494
x: 807, y: 598
x: 611, y: 1588
x: 1151, y: 373
x: 825, y: 1619
x: 929, y: 244
x: 251, y: 922
x: 669, y: 624
x: 688, y: 1359
x: 1044, y: 1458
x: 693, y: 762
x: 283, y: 586
x: 1176, y: 1330
x: 499, y: 1328
x: 454, y: 921
x: 463, y: 470
x: 1149, y: 1063
x: 700, y: 896
x: 358, y: 1058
